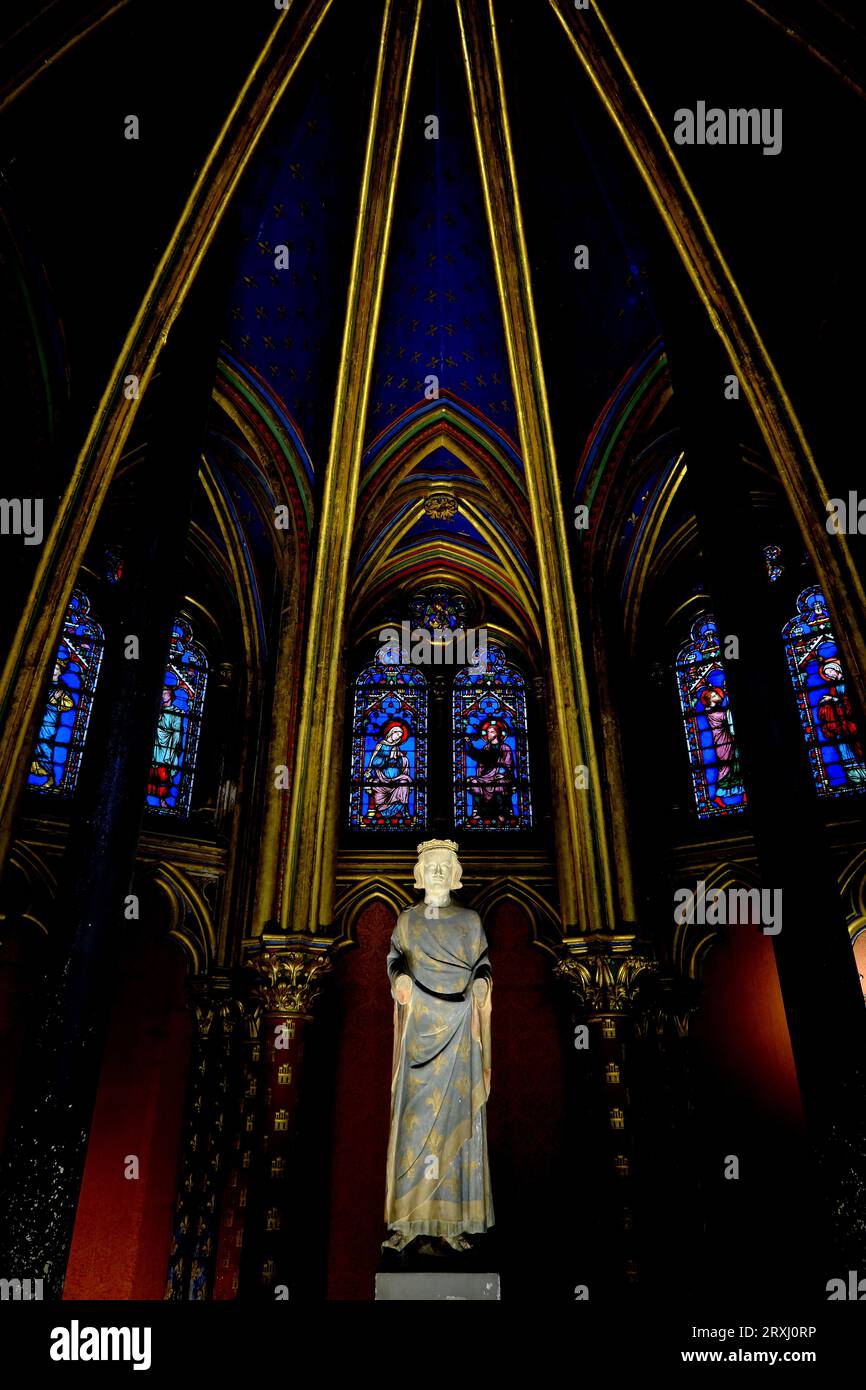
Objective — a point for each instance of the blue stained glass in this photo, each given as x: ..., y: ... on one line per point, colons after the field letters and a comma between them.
x: 491, y: 748
x: 169, y: 785
x: 818, y: 672
x: 708, y: 723
x: 388, y: 785
x: 773, y: 561
x: 438, y: 609
x: 56, y: 757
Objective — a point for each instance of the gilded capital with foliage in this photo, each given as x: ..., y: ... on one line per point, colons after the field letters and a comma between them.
x: 605, y: 972
x: 288, y: 980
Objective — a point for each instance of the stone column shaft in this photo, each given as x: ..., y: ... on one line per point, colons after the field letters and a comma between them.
x: 604, y: 974
x: 285, y: 979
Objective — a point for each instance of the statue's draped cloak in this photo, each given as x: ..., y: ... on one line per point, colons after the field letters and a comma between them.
x: 438, y: 1180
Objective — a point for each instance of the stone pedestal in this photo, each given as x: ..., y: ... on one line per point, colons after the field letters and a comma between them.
x: 436, y: 1285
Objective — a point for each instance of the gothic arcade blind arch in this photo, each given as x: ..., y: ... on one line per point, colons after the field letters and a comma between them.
x: 388, y: 779
x: 827, y: 719
x: 169, y: 783
x: 56, y: 758
x: 491, y: 747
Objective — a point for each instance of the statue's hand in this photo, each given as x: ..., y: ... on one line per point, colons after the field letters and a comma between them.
x: 402, y: 989
x: 479, y: 989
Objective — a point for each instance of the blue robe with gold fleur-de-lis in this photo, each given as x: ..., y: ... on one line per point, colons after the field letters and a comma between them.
x: 438, y: 1178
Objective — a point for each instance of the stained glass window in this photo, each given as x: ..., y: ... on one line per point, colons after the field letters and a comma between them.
x: 388, y: 788
x: 169, y: 785
x: 438, y: 609
x: 491, y: 751
x: 773, y: 561
x: 60, y: 743
x: 818, y: 672
x: 708, y: 722
x: 113, y: 564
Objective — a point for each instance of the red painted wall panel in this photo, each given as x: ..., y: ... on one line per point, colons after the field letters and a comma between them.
x: 742, y: 1024
x: 123, y: 1228
x: 361, y: 1109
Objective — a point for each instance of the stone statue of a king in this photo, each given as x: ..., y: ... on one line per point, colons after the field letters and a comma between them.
x: 438, y: 1179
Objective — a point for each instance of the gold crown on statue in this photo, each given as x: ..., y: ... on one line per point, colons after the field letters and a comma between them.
x: 437, y: 844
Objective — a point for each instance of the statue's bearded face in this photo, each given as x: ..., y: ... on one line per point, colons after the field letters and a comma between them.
x: 436, y: 869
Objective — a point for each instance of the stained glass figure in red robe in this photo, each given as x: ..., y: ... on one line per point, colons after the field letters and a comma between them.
x: 836, y: 719
x: 828, y: 721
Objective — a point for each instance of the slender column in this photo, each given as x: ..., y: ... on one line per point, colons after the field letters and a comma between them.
x: 284, y: 713
x: 542, y: 719
x: 662, y: 1076
x: 243, y: 1123
x: 583, y: 858
x: 44, y: 40
x: 285, y: 979
x: 205, y: 1139
x: 620, y: 830
x: 604, y: 974
x: 326, y: 908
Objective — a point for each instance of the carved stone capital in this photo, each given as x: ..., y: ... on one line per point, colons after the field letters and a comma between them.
x: 214, y: 1005
x: 667, y: 1007
x: 606, y: 972
x: 287, y: 978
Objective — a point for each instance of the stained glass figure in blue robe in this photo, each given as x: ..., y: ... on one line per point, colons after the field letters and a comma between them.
x: 389, y: 772
x: 56, y: 757
x: 175, y: 743
x: 387, y: 789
